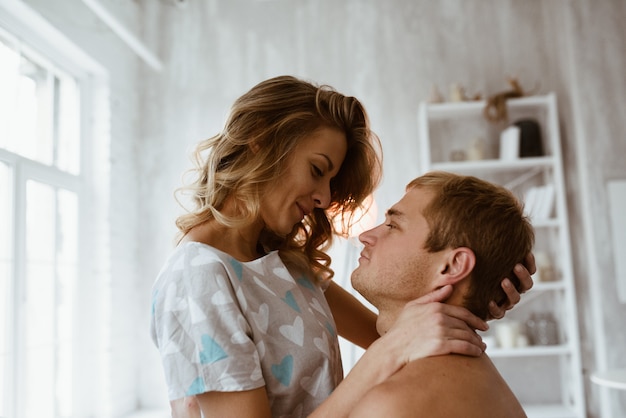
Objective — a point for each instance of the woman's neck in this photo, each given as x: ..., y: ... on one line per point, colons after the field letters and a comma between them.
x: 241, y: 243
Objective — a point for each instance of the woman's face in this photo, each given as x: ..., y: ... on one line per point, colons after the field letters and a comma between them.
x: 305, y: 183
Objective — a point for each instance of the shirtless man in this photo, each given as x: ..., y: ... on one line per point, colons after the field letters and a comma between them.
x: 447, y: 230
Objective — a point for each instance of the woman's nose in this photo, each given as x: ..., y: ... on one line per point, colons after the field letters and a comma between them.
x: 322, y: 197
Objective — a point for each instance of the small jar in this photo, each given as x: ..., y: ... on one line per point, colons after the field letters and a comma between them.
x: 543, y: 329
x: 476, y: 150
x: 458, y: 155
x: 507, y: 332
x: 545, y: 269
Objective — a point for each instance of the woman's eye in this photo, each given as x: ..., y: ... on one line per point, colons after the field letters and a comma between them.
x: 317, y: 171
x: 390, y: 226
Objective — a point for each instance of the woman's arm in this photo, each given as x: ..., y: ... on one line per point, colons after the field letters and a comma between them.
x: 424, y: 328
x: 441, y: 329
x: 364, y: 375
x: 355, y: 322
x: 438, y: 327
x: 250, y: 404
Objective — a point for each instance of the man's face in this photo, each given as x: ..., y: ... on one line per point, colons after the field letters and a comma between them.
x: 394, y: 267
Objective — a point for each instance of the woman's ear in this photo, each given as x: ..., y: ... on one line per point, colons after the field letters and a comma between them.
x: 457, y: 265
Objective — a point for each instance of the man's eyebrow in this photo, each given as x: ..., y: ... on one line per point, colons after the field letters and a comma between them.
x: 331, y: 166
x: 395, y: 213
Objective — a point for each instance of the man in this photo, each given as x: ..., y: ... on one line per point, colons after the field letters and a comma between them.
x: 446, y: 230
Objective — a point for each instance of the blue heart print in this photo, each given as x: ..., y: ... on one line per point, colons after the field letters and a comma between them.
x: 330, y: 329
x: 196, y: 387
x: 291, y: 301
x: 304, y: 282
x: 284, y: 370
x: 211, y: 351
x: 154, y: 301
x: 237, y: 267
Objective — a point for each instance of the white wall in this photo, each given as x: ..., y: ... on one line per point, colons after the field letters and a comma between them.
x: 597, y: 144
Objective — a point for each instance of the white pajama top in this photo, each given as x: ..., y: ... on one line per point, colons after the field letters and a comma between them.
x: 225, y: 325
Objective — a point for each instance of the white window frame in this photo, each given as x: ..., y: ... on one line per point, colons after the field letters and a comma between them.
x: 92, y: 188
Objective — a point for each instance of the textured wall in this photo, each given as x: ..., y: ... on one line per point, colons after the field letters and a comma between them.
x: 598, y: 65
x: 389, y: 54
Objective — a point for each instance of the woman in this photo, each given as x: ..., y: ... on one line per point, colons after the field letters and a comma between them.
x: 245, y: 315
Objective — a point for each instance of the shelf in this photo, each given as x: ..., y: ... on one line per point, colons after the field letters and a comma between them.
x: 546, y: 223
x: 458, y: 109
x: 549, y: 411
x: 546, y: 286
x: 530, y: 351
x: 456, y: 131
x: 541, y: 288
x: 468, y: 167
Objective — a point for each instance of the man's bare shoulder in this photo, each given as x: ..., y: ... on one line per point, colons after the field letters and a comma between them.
x: 442, y: 386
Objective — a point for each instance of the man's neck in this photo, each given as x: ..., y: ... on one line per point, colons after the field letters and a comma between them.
x: 386, y: 319
x: 389, y: 311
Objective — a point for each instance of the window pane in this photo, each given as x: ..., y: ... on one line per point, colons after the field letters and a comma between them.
x: 32, y: 136
x: 9, y: 75
x: 40, y: 119
x: 26, y: 117
x: 39, y: 110
x: 68, y: 125
x: 39, y: 308
x: 67, y: 273
x: 51, y: 273
x: 6, y: 261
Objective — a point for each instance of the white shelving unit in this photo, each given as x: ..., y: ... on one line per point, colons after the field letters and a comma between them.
x: 547, y: 379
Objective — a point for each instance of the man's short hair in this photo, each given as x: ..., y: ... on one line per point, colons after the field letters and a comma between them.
x: 469, y: 212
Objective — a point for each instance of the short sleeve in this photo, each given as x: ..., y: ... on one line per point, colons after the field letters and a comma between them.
x: 200, y: 329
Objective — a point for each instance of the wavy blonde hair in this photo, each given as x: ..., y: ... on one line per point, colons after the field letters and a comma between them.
x: 262, y: 130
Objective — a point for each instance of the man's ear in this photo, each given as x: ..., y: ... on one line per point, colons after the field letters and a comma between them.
x: 456, y: 266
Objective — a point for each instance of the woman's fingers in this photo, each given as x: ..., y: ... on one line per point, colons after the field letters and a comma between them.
x: 463, y: 347
x: 529, y: 263
x: 465, y: 316
x: 513, y: 295
x: 436, y: 329
x: 447, y: 340
x: 525, y: 279
x: 495, y: 311
x: 437, y: 295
